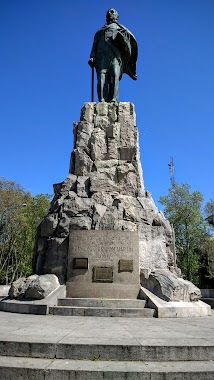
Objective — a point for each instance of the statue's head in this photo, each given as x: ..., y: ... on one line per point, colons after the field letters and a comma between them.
x: 112, y: 15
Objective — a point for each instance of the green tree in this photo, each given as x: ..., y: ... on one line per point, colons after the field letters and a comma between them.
x: 20, y: 215
x: 183, y: 209
x: 207, y: 263
x: 208, y: 252
x: 209, y: 207
x: 209, y: 212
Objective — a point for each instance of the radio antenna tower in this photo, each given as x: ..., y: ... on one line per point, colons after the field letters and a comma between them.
x: 172, y: 171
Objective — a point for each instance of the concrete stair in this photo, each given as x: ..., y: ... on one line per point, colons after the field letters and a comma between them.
x: 106, y: 351
x: 47, y: 369
x: 56, y: 361
x: 99, y: 307
x: 48, y: 347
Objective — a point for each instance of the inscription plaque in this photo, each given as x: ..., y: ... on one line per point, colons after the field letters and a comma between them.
x: 125, y: 265
x: 103, y: 274
x: 80, y: 263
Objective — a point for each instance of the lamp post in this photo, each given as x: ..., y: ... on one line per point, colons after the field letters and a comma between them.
x: 2, y: 221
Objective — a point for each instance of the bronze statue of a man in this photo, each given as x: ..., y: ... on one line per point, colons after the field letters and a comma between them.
x: 113, y: 53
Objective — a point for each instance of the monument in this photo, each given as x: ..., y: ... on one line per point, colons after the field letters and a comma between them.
x: 113, y: 53
x: 103, y: 236
x: 105, y: 239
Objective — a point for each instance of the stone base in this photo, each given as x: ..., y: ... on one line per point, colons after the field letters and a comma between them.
x: 103, y: 264
x: 4, y: 290
x: 37, y: 307
x: 107, y: 291
x: 175, y: 309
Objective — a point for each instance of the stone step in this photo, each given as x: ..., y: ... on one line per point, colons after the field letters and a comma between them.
x: 102, y: 312
x: 47, y: 369
x: 78, y: 349
x: 100, y: 302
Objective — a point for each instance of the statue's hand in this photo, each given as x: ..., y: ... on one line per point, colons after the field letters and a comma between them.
x: 91, y: 62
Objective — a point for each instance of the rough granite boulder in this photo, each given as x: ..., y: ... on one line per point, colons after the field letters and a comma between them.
x: 19, y: 287
x: 104, y: 190
x: 34, y: 287
x: 169, y: 287
x: 42, y: 286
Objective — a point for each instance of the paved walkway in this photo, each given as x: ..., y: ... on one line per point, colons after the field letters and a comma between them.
x: 97, y: 330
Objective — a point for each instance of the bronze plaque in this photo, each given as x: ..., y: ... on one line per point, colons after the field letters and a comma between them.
x: 80, y: 263
x: 103, y: 274
x: 125, y: 265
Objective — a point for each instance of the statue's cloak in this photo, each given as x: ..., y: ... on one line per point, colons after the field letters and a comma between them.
x: 129, y: 52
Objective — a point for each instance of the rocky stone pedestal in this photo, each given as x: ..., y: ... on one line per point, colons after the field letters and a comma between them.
x: 104, y: 193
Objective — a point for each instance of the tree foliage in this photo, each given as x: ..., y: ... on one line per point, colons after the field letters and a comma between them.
x: 183, y: 209
x: 209, y: 212
x: 209, y: 207
x: 20, y: 215
x: 206, y: 270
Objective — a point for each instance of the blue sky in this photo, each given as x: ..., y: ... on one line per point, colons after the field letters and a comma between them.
x: 45, y: 80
